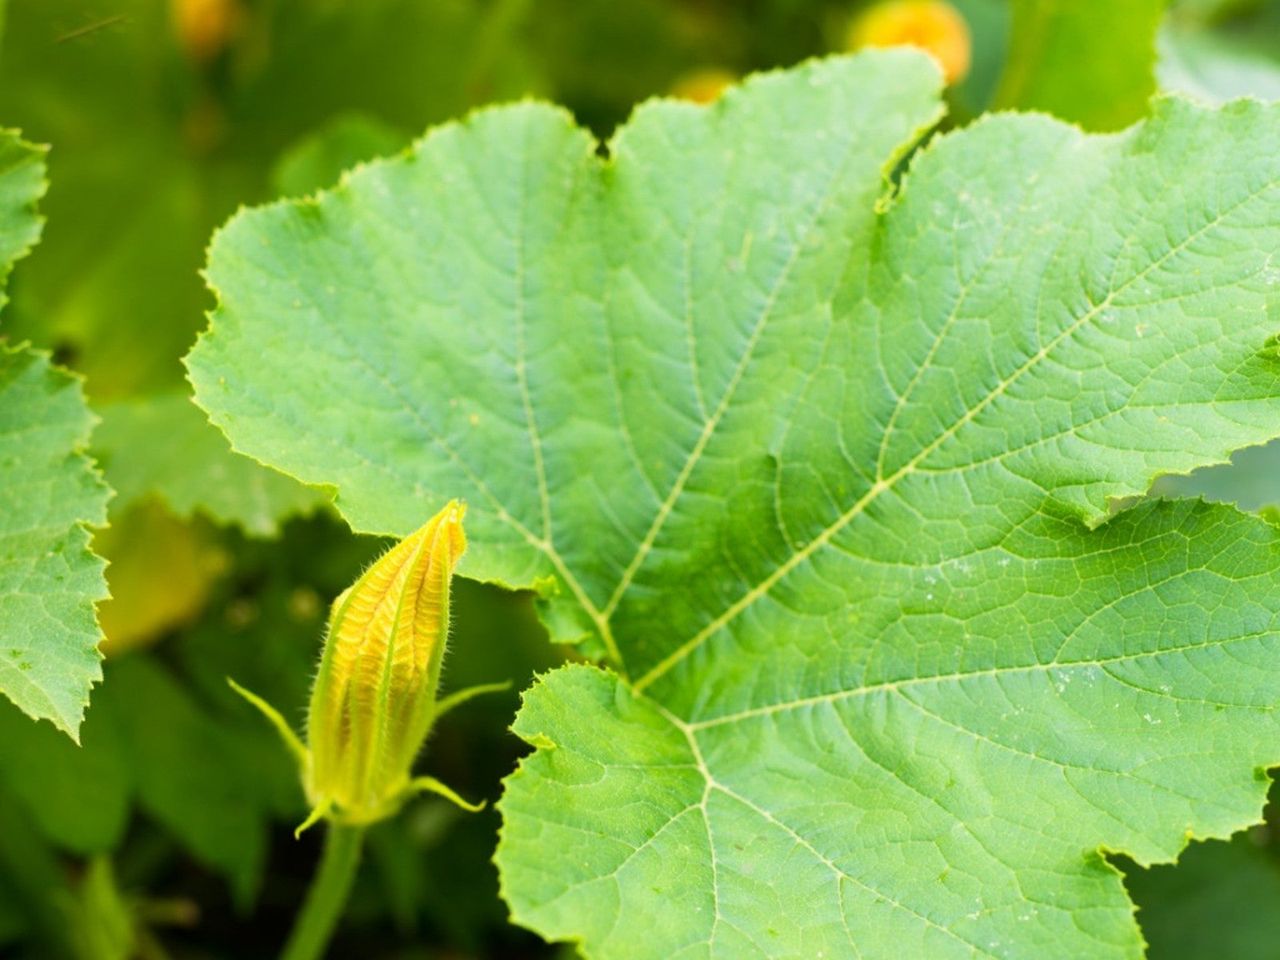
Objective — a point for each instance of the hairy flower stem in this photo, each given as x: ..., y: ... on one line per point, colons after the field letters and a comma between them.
x: 328, y: 893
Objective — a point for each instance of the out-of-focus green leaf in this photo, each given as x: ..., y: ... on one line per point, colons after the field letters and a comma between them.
x: 1088, y: 61
x: 989, y: 29
x: 1212, y: 11
x: 1215, y: 67
x: 166, y: 447
x: 403, y: 62
x: 13, y: 924
x: 78, y: 795
x: 188, y: 772
x: 33, y: 881
x: 159, y: 138
x: 1221, y: 901
x: 104, y: 81
x: 102, y: 926
x: 319, y: 159
x: 399, y: 857
x: 147, y: 740
x: 1251, y: 480
x: 22, y: 184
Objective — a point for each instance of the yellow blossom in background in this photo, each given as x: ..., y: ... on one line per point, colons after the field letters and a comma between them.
x: 161, y: 572
x: 704, y: 85
x: 205, y: 27
x: 931, y: 25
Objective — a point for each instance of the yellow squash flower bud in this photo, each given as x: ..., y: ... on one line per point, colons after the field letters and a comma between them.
x: 934, y: 26
x: 374, y: 695
x: 374, y: 698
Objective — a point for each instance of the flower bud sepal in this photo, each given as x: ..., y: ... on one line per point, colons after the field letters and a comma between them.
x: 324, y: 808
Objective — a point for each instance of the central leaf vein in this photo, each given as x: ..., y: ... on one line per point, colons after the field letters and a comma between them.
x: 826, y: 535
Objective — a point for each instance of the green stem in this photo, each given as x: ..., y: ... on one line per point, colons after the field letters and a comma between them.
x: 328, y: 894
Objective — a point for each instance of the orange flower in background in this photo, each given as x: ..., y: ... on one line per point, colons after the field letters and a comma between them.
x: 931, y: 25
x: 206, y: 27
x: 704, y: 85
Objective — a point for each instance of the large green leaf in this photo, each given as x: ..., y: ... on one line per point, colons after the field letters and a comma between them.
x: 833, y: 475
x: 78, y: 794
x: 49, y: 491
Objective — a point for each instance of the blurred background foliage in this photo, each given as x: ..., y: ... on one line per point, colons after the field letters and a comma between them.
x: 167, y: 834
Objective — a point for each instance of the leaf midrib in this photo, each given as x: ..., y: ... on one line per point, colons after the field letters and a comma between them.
x: 686, y: 648
x: 709, y: 428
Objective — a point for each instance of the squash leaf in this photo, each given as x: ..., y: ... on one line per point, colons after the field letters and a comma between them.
x: 842, y: 478
x: 49, y: 492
